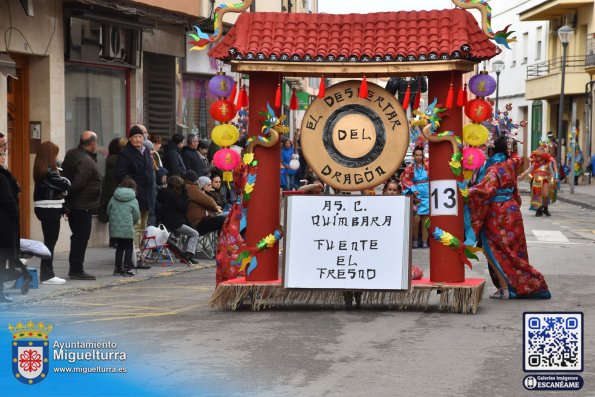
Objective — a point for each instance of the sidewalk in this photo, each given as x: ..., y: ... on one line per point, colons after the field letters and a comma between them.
x: 100, y: 263
x: 584, y: 195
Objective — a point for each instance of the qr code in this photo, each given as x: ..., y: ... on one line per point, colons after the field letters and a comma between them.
x: 553, y: 342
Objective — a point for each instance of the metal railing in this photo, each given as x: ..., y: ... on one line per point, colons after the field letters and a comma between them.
x: 573, y: 64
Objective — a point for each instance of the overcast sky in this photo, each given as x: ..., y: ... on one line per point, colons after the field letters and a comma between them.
x: 366, y: 6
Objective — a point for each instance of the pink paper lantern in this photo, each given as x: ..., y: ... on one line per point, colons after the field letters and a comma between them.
x: 226, y: 159
x: 473, y: 158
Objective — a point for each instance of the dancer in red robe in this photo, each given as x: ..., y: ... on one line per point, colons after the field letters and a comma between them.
x: 496, y: 219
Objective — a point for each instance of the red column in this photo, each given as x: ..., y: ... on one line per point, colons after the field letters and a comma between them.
x: 263, y: 210
x: 445, y: 265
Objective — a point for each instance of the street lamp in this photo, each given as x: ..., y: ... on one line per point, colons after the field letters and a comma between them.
x: 497, y: 67
x: 564, y: 34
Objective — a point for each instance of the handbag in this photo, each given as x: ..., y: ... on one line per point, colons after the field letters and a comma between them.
x: 159, y: 234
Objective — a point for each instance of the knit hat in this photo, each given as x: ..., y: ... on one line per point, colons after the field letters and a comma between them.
x: 203, y: 181
x: 135, y: 130
x: 149, y: 145
x: 160, y: 173
x: 190, y: 176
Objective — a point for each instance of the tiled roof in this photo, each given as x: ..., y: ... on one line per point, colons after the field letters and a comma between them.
x: 379, y: 37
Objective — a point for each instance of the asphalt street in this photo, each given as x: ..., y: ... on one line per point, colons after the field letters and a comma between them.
x: 180, y: 346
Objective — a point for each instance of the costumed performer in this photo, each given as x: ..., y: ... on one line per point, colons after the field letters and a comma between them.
x: 415, y: 182
x: 496, y: 219
x: 543, y: 183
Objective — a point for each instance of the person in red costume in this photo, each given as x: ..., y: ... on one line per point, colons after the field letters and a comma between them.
x: 542, y: 170
x: 496, y: 219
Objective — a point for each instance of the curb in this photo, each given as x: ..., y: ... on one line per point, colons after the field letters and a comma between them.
x: 115, y: 282
x: 577, y: 203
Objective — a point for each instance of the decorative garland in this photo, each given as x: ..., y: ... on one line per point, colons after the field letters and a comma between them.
x: 232, y: 250
x: 448, y: 240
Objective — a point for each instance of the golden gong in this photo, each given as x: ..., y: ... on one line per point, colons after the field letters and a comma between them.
x: 354, y: 143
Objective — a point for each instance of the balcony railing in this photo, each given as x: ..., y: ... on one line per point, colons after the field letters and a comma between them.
x: 573, y: 64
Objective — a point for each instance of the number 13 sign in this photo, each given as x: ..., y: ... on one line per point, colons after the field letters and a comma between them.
x: 443, y: 197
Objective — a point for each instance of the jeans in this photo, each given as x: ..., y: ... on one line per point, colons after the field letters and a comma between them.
x: 191, y: 241
x: 50, y: 225
x: 124, y: 249
x: 290, y: 181
x: 80, y: 225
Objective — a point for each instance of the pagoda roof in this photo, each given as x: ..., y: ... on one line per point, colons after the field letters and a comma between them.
x: 377, y: 38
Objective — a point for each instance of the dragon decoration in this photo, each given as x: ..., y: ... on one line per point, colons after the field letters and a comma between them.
x: 201, y: 40
x: 425, y: 126
x: 501, y: 37
x: 235, y: 258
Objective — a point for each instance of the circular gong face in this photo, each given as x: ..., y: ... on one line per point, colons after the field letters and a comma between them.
x: 354, y: 143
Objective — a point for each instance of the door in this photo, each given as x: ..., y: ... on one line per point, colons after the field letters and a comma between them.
x: 18, y: 137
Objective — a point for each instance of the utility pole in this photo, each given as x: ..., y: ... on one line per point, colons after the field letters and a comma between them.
x: 572, y: 145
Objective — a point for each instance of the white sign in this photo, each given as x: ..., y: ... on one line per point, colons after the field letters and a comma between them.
x: 443, y: 197
x: 347, y: 242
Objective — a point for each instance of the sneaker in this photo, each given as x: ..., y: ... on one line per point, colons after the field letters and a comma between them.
x: 81, y: 276
x: 54, y: 281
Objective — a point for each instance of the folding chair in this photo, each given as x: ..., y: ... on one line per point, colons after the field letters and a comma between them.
x: 207, y: 244
x: 151, y: 251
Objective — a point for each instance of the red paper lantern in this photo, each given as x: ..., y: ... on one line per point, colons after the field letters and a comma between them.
x: 222, y: 110
x: 478, y: 110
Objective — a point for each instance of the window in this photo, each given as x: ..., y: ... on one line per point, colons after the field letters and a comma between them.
x: 197, y: 100
x: 525, y: 47
x: 539, y: 35
x: 96, y: 101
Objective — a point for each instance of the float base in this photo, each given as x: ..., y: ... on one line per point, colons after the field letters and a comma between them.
x: 461, y: 297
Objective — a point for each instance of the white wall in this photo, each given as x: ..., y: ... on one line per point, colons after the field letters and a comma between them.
x: 512, y: 79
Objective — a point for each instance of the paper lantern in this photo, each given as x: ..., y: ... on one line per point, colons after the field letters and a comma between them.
x: 473, y: 158
x: 221, y: 85
x: 225, y: 135
x: 482, y: 85
x: 475, y: 134
x: 226, y: 159
x: 223, y: 110
x: 478, y: 110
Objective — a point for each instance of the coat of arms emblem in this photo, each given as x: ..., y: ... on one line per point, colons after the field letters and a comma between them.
x: 30, y: 351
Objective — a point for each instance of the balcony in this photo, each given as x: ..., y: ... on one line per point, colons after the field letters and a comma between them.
x: 590, y: 57
x: 544, y: 78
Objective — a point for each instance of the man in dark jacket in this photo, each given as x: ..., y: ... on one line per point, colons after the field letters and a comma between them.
x: 190, y: 155
x: 172, y: 159
x: 136, y: 161
x: 80, y: 167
